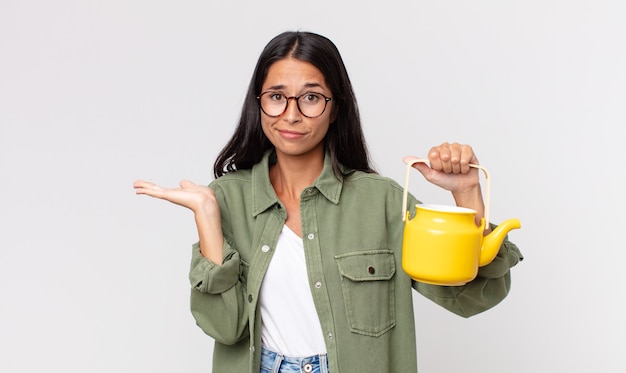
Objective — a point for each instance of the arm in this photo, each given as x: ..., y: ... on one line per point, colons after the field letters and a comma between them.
x: 449, y: 169
x: 217, y: 292
x: 201, y: 201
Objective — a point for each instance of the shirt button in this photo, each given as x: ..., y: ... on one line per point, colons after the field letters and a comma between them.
x: 310, y: 236
x: 318, y: 285
x: 265, y: 248
x: 250, y: 298
x: 330, y: 335
x: 371, y: 270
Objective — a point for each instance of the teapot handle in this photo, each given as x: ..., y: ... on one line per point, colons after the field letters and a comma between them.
x: 409, y: 165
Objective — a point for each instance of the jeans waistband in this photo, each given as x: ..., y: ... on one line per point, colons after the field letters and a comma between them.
x: 274, y: 362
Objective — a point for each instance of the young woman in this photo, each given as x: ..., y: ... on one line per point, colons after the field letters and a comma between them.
x: 298, y: 264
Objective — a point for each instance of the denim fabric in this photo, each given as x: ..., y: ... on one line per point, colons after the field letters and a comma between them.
x: 272, y: 362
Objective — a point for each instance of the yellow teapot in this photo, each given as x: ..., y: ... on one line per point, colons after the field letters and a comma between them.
x: 442, y: 245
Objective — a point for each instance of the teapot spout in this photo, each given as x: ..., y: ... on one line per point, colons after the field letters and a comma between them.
x: 493, y: 241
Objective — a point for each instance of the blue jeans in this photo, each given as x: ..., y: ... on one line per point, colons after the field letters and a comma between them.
x: 273, y: 362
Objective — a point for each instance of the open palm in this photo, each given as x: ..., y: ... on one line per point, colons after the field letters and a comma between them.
x: 192, y: 196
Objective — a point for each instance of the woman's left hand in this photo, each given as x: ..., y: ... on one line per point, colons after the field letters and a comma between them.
x: 449, y: 167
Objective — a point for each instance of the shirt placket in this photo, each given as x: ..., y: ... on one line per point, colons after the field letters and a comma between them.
x: 309, y: 202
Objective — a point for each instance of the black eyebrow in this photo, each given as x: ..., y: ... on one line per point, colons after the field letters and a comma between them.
x: 275, y: 87
x: 311, y: 85
x: 282, y: 86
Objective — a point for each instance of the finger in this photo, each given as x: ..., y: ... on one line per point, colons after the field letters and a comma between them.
x: 456, y: 150
x: 148, y: 188
x: 139, y: 183
x: 140, y: 186
x: 467, y: 157
x: 434, y: 157
x: 156, y: 193
x: 409, y: 158
x: 445, y: 154
x: 146, y: 185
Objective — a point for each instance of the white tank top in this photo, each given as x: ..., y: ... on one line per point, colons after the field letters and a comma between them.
x: 290, y: 324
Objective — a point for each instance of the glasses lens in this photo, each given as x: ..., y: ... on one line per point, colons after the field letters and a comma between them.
x: 273, y: 103
x: 312, y: 104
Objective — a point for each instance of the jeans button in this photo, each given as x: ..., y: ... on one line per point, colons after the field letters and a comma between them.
x: 308, y: 367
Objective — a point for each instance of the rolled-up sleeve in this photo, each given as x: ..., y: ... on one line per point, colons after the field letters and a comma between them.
x: 208, y: 277
x: 217, y: 302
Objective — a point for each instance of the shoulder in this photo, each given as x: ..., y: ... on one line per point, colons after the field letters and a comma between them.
x: 376, y: 187
x: 232, y: 179
x: 371, y: 180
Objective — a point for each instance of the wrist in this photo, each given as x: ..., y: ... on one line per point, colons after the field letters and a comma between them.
x: 472, y: 199
x: 468, y: 197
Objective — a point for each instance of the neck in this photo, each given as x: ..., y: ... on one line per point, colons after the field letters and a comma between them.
x: 291, y: 174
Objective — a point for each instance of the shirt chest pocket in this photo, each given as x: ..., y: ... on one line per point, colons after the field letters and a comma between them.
x: 368, y: 290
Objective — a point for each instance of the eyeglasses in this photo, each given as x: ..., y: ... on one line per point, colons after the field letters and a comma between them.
x: 310, y: 104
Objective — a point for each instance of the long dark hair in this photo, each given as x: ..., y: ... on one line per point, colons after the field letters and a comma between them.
x: 344, y: 140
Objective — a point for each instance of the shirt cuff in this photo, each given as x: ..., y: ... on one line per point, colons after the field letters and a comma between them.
x: 208, y: 277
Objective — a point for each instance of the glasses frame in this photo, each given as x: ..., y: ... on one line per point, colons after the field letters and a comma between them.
x: 297, y: 98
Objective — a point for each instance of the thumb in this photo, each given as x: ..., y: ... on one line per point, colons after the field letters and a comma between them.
x: 419, y: 164
x: 186, y: 184
x: 423, y: 168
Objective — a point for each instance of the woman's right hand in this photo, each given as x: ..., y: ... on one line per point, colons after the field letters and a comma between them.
x: 197, y: 198
x: 201, y: 200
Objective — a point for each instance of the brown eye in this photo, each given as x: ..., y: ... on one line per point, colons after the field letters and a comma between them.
x: 311, y: 98
x: 279, y: 97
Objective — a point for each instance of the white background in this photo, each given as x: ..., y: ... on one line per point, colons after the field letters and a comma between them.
x: 96, y: 94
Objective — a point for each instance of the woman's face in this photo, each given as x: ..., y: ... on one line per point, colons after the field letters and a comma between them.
x: 292, y: 133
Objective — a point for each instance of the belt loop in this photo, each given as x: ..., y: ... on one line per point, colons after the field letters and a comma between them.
x: 323, y: 364
x: 277, y: 362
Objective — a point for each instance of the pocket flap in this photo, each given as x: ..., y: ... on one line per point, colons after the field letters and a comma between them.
x: 367, y: 265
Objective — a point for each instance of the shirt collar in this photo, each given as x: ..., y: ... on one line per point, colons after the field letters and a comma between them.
x: 265, y: 197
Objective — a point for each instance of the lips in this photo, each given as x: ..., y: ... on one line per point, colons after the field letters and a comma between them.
x: 290, y: 134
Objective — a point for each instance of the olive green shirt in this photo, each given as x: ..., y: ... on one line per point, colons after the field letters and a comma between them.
x: 352, y: 235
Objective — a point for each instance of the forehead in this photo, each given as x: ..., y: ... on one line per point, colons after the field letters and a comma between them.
x: 293, y: 73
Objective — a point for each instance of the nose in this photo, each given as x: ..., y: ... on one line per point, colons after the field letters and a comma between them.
x: 292, y: 112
